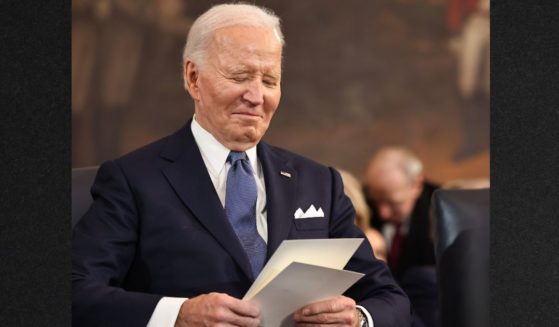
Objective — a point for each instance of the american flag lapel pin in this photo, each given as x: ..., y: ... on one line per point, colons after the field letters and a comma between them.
x: 284, y: 173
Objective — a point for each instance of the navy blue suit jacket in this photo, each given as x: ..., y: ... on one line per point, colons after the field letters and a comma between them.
x: 157, y: 228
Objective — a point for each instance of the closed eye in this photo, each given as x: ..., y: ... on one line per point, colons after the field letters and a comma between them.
x: 269, y: 82
x: 239, y: 78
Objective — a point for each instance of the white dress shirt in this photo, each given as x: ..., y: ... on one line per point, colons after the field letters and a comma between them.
x: 215, y: 155
x: 389, y: 230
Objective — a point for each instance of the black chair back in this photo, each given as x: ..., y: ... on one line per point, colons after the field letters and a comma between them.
x: 82, y: 180
x: 461, y: 234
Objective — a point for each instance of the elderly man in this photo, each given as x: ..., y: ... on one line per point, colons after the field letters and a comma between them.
x: 400, y: 197
x: 180, y: 228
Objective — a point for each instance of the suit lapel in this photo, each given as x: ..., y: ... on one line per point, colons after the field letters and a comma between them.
x: 187, y: 174
x: 280, y: 194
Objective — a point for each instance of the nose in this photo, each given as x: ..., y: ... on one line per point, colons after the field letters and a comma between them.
x: 254, y: 93
x: 384, y: 212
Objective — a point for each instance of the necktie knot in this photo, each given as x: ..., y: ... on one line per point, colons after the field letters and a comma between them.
x: 235, y: 156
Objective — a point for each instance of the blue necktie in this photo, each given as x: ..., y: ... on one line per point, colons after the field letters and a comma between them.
x: 240, y: 208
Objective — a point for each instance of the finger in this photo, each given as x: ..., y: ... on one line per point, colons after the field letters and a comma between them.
x: 223, y: 315
x: 346, y: 317
x: 242, y: 308
x: 246, y: 321
x: 227, y: 324
x: 331, y: 305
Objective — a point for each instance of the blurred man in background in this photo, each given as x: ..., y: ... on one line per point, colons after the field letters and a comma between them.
x: 400, y: 197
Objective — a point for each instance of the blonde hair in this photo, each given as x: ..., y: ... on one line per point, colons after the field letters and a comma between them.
x: 353, y: 189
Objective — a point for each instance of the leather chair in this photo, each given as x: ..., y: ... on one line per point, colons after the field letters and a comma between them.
x: 461, y: 235
x: 82, y: 179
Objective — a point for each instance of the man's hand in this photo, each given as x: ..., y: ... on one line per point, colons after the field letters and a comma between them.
x: 337, y: 311
x: 218, y: 309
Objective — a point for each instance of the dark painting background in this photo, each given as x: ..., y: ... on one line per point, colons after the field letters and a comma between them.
x: 358, y: 75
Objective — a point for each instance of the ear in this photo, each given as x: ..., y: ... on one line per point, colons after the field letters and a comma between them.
x: 191, y: 74
x: 418, y: 184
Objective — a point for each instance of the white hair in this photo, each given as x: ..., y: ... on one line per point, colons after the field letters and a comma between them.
x: 411, y: 164
x: 225, y: 15
x: 399, y: 157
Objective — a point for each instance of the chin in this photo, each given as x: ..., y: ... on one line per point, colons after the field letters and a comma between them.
x: 251, y: 133
x: 250, y: 138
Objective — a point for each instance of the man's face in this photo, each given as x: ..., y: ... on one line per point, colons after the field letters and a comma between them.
x: 394, y: 195
x: 238, y: 90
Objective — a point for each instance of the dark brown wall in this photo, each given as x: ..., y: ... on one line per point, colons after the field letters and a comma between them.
x: 357, y: 75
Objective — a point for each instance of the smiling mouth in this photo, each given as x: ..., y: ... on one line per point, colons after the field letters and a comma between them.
x: 249, y: 115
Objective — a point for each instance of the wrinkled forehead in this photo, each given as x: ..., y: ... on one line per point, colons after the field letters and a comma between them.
x: 245, y: 46
x: 244, y: 37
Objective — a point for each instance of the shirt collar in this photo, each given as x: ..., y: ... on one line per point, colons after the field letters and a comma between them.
x: 215, y: 152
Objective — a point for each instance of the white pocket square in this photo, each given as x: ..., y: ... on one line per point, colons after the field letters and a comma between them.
x: 310, y: 213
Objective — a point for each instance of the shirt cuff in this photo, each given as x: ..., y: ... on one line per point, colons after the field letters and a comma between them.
x: 367, y: 315
x: 166, y: 312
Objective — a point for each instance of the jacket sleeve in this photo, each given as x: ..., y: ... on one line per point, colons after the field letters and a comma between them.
x: 103, y: 248
x: 377, y: 291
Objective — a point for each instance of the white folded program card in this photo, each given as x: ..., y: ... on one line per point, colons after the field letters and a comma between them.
x: 301, y: 272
